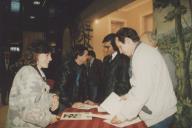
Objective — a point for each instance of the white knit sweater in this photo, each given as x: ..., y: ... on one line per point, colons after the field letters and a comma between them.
x: 151, y: 86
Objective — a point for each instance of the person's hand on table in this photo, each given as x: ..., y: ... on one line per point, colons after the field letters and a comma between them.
x: 123, y: 97
x: 77, y: 105
x: 54, y: 102
x: 89, y: 102
x: 54, y: 119
x: 118, y: 119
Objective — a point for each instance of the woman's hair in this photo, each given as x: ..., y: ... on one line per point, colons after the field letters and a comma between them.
x: 29, y: 56
x: 127, y: 32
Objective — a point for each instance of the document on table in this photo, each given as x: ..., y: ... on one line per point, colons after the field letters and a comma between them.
x: 76, y: 116
x: 124, y: 124
x: 87, y: 106
x: 112, y: 104
x: 100, y: 109
x: 102, y: 116
x: 84, y: 106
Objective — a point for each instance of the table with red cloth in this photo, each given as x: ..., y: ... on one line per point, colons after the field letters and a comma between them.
x: 94, y: 123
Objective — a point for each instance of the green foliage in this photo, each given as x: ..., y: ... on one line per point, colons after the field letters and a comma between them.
x: 181, y: 10
x: 162, y: 3
x: 170, y: 16
x: 81, y: 32
x: 184, y: 113
x: 85, y: 34
x: 167, y: 43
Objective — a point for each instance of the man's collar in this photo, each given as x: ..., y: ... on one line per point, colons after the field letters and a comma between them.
x: 91, y: 61
x: 114, y: 55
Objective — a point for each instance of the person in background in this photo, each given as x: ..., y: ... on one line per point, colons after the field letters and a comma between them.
x: 150, y: 81
x: 115, y: 68
x: 149, y: 38
x: 5, y: 76
x: 94, y: 76
x: 73, y: 78
x: 30, y: 103
x: 2, y: 69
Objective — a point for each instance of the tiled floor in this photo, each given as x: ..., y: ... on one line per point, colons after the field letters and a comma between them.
x: 3, y: 115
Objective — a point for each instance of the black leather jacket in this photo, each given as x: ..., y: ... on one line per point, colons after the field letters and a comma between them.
x: 72, y: 83
x: 116, y: 75
x: 95, y: 73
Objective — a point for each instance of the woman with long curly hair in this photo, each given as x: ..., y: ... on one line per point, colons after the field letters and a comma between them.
x: 30, y: 103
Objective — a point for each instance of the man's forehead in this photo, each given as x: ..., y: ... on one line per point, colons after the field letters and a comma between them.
x: 85, y: 51
x: 107, y: 44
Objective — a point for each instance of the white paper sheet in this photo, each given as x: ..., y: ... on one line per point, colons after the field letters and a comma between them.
x: 102, y: 116
x: 87, y: 107
x: 100, y: 109
x: 112, y: 104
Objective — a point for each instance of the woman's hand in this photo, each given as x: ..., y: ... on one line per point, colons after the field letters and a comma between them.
x: 55, y: 119
x: 54, y: 102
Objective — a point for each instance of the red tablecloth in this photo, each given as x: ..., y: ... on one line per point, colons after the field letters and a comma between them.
x: 94, y: 123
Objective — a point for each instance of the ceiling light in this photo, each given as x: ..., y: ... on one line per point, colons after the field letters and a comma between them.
x: 96, y: 21
x: 36, y: 2
x: 32, y: 17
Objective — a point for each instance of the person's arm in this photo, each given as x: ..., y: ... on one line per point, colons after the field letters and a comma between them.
x: 122, y: 84
x: 63, y: 78
x: 142, y: 81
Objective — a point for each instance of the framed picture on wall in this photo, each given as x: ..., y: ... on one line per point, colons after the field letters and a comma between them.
x: 116, y: 24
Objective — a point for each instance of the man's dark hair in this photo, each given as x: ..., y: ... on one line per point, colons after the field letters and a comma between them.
x: 79, y: 50
x: 127, y: 32
x: 111, y: 38
x: 92, y: 53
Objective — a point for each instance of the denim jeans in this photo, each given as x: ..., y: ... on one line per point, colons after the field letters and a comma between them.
x: 166, y: 123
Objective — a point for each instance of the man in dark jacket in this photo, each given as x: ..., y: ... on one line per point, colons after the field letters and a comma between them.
x: 73, y: 81
x: 5, y: 80
x: 94, y: 73
x: 116, y: 68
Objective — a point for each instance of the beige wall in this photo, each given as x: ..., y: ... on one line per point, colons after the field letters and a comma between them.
x: 100, y: 29
x: 137, y: 15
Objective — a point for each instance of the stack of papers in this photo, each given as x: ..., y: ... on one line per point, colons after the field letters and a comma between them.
x: 100, y: 109
x: 112, y: 104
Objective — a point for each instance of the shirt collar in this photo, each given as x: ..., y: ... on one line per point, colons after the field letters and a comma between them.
x: 114, y: 55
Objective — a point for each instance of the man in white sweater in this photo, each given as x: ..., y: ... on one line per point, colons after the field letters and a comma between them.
x: 150, y: 81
